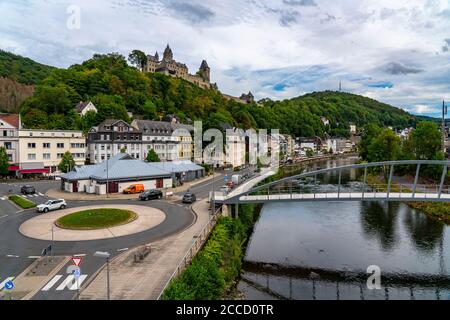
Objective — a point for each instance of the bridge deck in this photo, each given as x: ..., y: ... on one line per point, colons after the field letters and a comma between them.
x: 334, y: 196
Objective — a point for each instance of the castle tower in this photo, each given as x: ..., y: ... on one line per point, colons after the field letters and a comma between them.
x: 156, y: 56
x: 168, y: 55
x: 205, y: 71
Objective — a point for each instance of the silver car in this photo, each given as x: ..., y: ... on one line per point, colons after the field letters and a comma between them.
x: 52, y: 205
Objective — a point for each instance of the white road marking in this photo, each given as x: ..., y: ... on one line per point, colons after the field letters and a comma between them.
x: 12, y: 256
x: 2, y: 285
x: 41, y: 194
x: 78, y: 282
x: 3, y: 216
x: 23, y: 196
x: 34, y: 257
x: 3, y: 198
x: 79, y: 255
x: 52, y: 282
x: 35, y: 195
x: 123, y: 249
x: 71, y: 280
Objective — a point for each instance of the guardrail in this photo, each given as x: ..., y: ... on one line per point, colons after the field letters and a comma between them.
x: 198, y: 243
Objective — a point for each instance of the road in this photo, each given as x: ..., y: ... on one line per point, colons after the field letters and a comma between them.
x: 17, y: 251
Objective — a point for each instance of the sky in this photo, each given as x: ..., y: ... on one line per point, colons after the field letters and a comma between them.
x: 397, y: 52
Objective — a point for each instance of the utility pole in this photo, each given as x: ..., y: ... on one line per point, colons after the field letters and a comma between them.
x: 107, y: 178
x: 444, y: 112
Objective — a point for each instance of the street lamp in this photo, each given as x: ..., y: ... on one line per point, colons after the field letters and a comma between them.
x: 105, y: 255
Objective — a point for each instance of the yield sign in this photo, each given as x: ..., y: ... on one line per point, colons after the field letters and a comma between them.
x: 77, y: 261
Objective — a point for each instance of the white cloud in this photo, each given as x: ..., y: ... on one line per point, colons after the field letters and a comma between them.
x: 275, y: 48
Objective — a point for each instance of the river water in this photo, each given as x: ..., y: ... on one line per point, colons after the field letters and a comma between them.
x: 321, y: 250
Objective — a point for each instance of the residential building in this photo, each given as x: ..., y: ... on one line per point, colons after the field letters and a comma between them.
x: 235, y: 147
x: 171, y: 141
x: 10, y: 124
x: 352, y: 128
x: 41, y: 151
x: 112, y: 137
x: 84, y: 107
x: 325, y: 121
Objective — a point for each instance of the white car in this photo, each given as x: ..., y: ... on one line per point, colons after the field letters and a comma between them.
x: 52, y: 205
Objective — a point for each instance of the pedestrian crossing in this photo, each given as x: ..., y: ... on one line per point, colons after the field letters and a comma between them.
x: 39, y: 194
x: 70, y: 282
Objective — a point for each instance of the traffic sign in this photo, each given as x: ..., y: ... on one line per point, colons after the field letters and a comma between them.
x: 77, y: 260
x: 9, y: 285
x: 77, y: 273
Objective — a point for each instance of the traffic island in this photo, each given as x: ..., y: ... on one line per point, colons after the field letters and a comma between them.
x: 93, y: 219
x: 44, y: 227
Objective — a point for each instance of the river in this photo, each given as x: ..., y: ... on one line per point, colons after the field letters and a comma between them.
x: 321, y: 250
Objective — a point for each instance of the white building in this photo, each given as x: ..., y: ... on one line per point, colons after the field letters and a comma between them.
x: 9, y: 138
x: 235, y: 147
x: 84, y: 107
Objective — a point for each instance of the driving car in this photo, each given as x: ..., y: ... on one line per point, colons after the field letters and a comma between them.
x: 27, y: 190
x: 189, y: 198
x: 52, y: 205
x: 150, y: 194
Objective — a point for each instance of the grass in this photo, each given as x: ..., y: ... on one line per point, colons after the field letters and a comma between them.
x: 22, y: 202
x: 96, y: 219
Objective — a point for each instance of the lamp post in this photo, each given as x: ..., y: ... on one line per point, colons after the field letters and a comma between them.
x: 444, y: 112
x: 107, y: 178
x: 106, y: 255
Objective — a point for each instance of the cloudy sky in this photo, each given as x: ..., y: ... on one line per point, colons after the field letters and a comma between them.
x: 395, y: 51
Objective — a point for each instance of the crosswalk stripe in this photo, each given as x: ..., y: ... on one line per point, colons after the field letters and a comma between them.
x: 64, y: 284
x: 3, y: 198
x: 2, y: 285
x: 52, y: 282
x: 35, y: 195
x: 23, y: 196
x: 41, y: 194
x: 78, y: 282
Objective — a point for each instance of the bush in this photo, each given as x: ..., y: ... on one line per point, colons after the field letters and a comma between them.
x: 22, y: 202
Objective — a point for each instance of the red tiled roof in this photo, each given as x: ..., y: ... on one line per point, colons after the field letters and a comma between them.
x: 12, y: 119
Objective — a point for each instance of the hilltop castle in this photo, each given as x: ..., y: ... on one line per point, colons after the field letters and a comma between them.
x: 168, y: 66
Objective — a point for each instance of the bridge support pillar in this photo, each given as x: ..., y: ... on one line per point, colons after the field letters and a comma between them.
x: 236, y: 211
x: 226, y: 210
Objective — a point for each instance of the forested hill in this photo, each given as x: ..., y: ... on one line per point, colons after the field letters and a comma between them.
x: 115, y: 88
x: 17, y: 78
x: 22, y: 70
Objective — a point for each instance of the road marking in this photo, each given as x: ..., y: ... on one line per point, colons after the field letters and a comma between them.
x: 123, y: 249
x: 3, y: 216
x: 24, y: 196
x: 52, y: 282
x: 71, y: 280
x: 79, y: 255
x: 34, y: 257
x: 78, y: 282
x: 3, y: 198
x: 12, y: 256
x: 35, y: 195
x: 2, y: 285
x: 41, y: 194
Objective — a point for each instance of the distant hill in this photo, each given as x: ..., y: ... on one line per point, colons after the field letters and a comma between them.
x: 22, y: 70
x: 18, y: 75
x: 117, y: 88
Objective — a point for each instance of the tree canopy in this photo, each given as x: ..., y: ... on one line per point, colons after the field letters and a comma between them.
x: 67, y: 163
x: 152, y: 156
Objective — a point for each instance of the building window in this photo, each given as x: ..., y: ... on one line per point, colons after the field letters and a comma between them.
x: 60, y: 145
x: 46, y: 145
x: 32, y: 156
x: 31, y: 145
x: 77, y: 145
x: 46, y: 156
x: 59, y: 155
x: 9, y: 157
x: 8, y: 145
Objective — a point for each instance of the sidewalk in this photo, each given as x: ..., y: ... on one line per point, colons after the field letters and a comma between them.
x: 145, y: 280
x: 58, y: 193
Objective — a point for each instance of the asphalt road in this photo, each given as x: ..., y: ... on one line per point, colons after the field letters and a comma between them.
x: 17, y: 251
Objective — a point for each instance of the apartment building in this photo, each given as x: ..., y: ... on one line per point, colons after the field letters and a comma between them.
x: 9, y: 138
x: 171, y: 141
x: 41, y: 151
x: 235, y: 147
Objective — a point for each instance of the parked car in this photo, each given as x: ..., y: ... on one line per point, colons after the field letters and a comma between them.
x: 189, y: 198
x: 134, y: 188
x: 52, y: 205
x: 28, y: 190
x: 150, y: 194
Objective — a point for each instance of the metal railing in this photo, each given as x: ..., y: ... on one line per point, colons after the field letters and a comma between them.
x: 198, y: 243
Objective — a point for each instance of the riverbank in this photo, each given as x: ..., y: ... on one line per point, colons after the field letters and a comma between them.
x: 436, y: 210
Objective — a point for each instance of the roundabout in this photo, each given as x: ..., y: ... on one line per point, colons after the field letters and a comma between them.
x: 92, y: 222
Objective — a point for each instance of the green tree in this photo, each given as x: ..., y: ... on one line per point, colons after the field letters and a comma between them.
x: 426, y: 141
x: 152, y: 156
x: 4, y: 163
x: 385, y: 147
x: 138, y: 59
x: 88, y: 121
x: 67, y: 163
x: 370, y: 132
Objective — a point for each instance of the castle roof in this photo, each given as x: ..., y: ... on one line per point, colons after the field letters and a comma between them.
x: 204, y: 65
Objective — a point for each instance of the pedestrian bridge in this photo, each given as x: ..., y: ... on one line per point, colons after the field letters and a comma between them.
x: 349, y: 187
